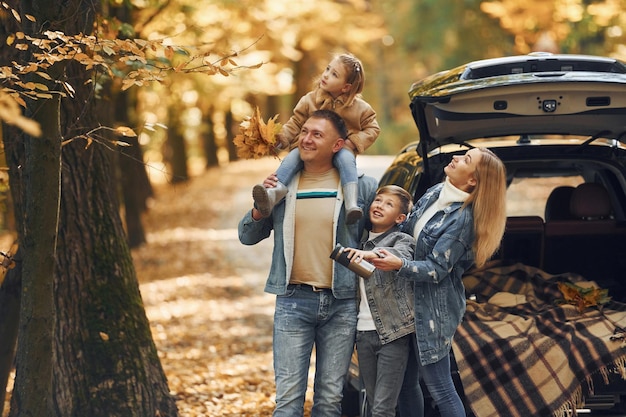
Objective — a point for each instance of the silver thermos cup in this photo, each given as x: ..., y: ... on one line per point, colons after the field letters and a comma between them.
x: 362, y: 268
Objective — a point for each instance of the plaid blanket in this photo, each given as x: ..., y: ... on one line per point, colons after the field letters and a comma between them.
x: 531, y: 359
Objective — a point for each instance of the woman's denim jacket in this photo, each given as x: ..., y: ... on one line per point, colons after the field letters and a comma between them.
x: 390, y: 298
x: 282, y: 222
x: 443, y: 252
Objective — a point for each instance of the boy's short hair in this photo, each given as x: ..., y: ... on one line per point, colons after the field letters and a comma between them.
x: 402, y: 194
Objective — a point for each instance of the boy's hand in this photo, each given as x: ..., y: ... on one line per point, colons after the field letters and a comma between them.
x: 355, y: 255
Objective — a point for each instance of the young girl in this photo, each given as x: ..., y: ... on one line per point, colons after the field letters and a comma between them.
x: 338, y: 89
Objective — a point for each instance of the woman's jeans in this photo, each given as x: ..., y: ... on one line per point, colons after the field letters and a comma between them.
x: 379, y: 366
x: 438, y: 380
x: 344, y: 161
x: 303, y: 319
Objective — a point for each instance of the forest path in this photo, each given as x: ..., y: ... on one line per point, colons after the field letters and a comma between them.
x: 203, y: 291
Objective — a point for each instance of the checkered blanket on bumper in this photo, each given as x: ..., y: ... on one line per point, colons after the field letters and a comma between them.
x: 531, y: 359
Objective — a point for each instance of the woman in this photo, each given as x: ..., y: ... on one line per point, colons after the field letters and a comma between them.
x: 457, y: 224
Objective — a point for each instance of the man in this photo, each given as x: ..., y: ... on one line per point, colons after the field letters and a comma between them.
x: 315, y: 298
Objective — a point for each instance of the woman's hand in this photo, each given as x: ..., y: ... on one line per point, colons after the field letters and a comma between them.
x: 386, y: 261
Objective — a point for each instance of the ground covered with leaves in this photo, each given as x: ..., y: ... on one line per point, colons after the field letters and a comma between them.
x: 203, y: 292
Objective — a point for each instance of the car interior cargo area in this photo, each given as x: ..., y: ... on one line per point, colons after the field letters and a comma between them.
x: 579, y: 235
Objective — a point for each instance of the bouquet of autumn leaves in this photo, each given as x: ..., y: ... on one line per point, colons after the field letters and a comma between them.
x: 256, y: 138
x: 582, y: 297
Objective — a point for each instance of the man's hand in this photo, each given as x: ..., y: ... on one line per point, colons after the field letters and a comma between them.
x: 270, y: 181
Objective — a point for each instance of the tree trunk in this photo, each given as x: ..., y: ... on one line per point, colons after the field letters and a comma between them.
x: 10, y: 287
x: 136, y: 187
x: 101, y: 360
x: 106, y: 362
x: 176, y: 149
x: 209, y: 145
x: 135, y: 191
x: 9, y: 319
x: 131, y: 173
x: 305, y: 71
x: 272, y: 106
x: 229, y: 124
x: 40, y: 187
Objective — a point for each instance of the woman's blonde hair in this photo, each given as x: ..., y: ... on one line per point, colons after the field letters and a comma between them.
x: 488, y: 199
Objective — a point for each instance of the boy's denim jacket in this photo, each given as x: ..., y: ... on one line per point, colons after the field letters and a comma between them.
x: 443, y: 252
x: 282, y: 222
x: 390, y: 298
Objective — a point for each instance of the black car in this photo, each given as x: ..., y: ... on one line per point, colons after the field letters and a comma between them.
x: 558, y: 122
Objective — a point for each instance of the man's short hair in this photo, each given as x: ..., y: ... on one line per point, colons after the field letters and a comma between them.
x: 334, y: 119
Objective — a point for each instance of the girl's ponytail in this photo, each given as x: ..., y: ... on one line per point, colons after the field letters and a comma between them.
x: 355, y: 75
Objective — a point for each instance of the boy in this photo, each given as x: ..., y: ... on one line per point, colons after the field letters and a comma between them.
x: 385, y: 323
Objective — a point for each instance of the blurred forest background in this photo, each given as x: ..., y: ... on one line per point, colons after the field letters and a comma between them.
x: 100, y: 99
x: 399, y: 42
x: 187, y: 119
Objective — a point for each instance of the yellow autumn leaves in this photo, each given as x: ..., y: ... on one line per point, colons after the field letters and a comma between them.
x: 257, y: 138
x: 582, y: 297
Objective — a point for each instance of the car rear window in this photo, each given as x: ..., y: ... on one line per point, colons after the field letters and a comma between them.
x: 543, y: 65
x: 528, y: 196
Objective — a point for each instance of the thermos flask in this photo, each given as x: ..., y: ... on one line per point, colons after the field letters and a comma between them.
x: 362, y: 268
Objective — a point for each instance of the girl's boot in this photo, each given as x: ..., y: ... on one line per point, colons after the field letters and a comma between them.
x: 350, y: 197
x: 266, y: 198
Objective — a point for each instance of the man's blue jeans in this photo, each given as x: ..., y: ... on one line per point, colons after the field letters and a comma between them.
x: 382, y: 367
x: 303, y: 319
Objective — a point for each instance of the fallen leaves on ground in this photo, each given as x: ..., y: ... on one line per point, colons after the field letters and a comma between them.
x: 214, y: 340
x: 203, y: 292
